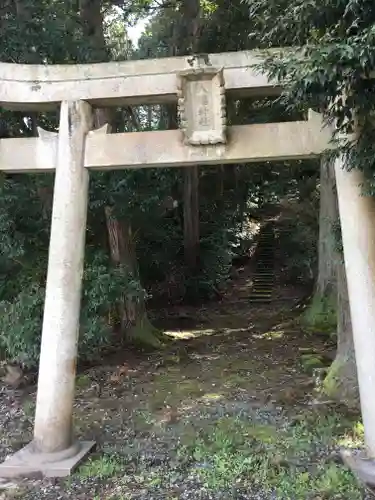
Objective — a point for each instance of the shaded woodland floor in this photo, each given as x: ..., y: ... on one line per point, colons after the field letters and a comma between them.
x: 226, y: 412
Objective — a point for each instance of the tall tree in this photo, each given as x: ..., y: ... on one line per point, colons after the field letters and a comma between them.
x: 328, y: 217
x: 324, y: 305
x: 132, y: 315
x: 341, y: 381
x: 188, y: 43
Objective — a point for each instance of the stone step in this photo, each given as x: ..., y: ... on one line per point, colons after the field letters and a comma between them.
x: 254, y: 298
x: 264, y: 276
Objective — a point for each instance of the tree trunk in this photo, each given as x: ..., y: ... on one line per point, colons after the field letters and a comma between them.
x: 331, y: 301
x: 322, y: 311
x: 188, y: 40
x: 328, y: 216
x: 341, y: 382
x: 92, y: 23
x: 191, y: 218
x: 132, y: 311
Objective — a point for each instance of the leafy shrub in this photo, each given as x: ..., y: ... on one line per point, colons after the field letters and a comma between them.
x: 297, y: 243
x: 21, y: 318
x: 20, y: 325
x: 216, y: 254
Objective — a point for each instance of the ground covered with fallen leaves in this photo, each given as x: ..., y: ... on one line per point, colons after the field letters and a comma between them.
x: 226, y: 412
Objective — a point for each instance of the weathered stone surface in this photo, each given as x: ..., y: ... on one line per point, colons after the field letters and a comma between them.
x: 201, y: 106
x: 357, y: 215
x: 247, y: 143
x: 53, y: 419
x: 27, y: 462
x: 33, y: 87
x: 360, y: 465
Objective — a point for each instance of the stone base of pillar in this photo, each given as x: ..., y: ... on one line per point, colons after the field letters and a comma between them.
x: 360, y: 465
x: 28, y: 462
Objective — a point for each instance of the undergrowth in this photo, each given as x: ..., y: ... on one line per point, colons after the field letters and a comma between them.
x: 290, y: 462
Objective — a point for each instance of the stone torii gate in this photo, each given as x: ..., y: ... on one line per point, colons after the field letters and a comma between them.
x: 200, y: 86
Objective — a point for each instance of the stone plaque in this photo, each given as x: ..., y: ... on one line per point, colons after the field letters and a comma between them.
x: 201, y: 106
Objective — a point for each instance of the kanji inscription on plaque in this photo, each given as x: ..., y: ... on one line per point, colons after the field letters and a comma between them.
x: 201, y: 105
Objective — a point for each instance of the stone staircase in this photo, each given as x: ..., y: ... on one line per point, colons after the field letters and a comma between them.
x: 264, y: 274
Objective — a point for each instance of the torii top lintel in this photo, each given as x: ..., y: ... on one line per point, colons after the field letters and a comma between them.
x: 198, y: 85
x: 37, y: 87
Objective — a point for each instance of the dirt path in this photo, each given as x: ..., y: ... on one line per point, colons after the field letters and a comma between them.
x: 225, y: 413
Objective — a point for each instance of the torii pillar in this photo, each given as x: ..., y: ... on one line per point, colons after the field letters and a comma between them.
x: 357, y: 216
x: 53, y: 451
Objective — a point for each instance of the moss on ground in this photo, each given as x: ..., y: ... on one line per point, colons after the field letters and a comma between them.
x: 288, y: 462
x: 169, y: 389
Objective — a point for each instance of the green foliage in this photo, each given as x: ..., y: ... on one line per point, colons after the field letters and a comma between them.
x: 297, y: 240
x: 21, y: 318
x: 47, y: 31
x: 101, y: 468
x: 332, y: 71
x: 237, y: 453
x: 215, y: 257
x: 20, y: 325
x: 103, y: 286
